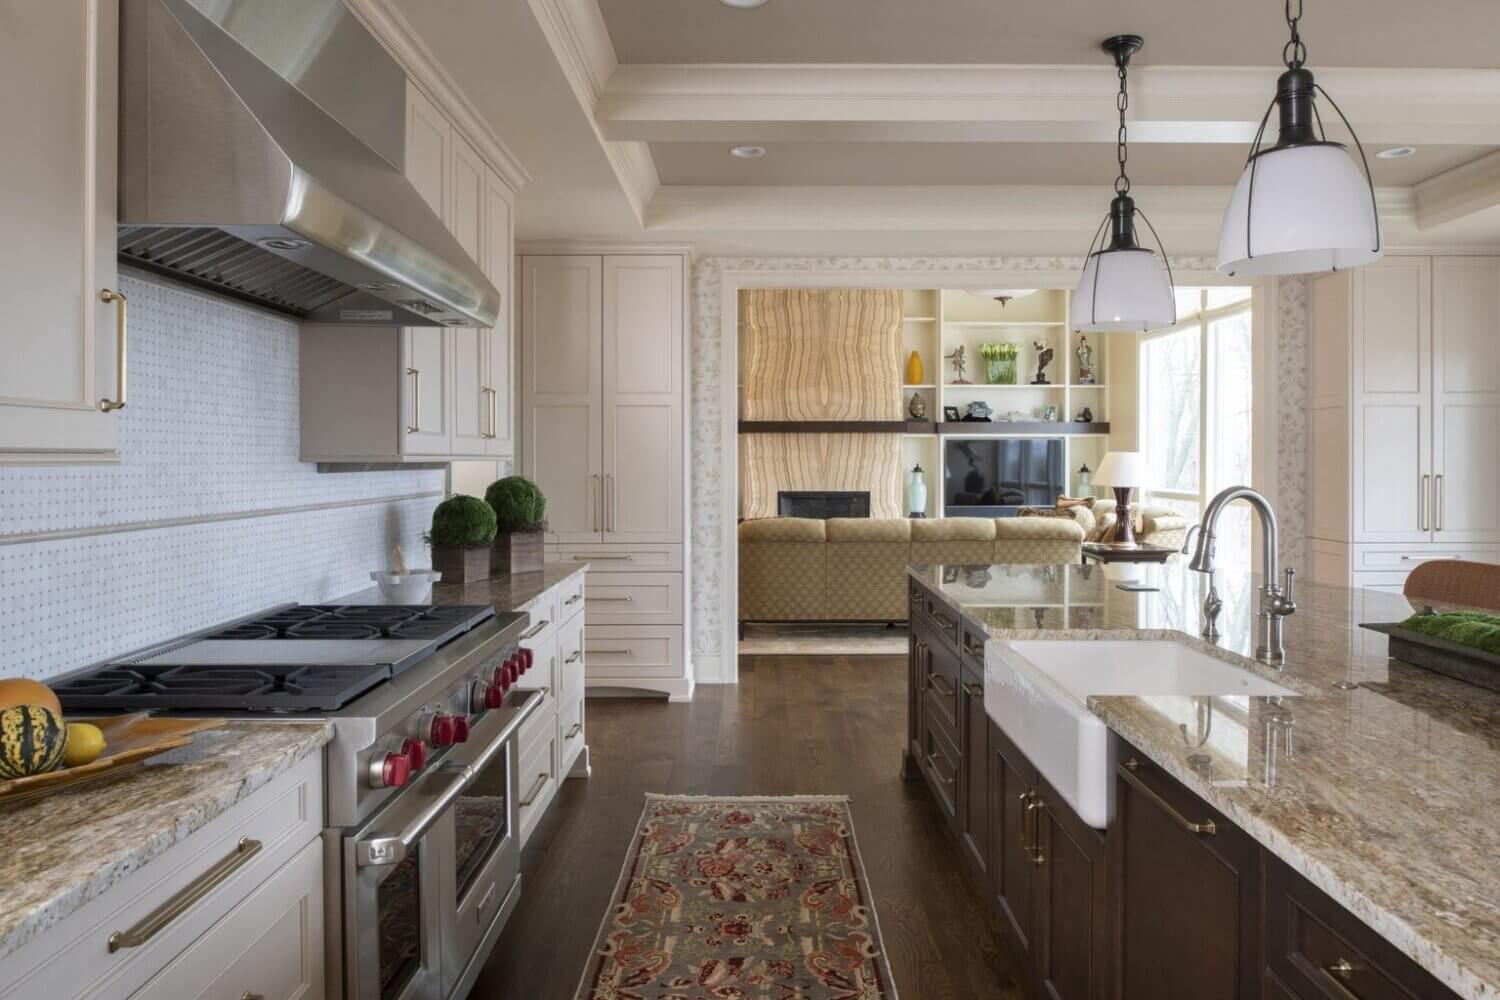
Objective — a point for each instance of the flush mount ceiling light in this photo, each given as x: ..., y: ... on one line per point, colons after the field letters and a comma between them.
x: 1124, y: 286
x: 743, y: 4
x: 1004, y: 296
x: 1302, y: 205
x: 1395, y: 153
x: 747, y: 152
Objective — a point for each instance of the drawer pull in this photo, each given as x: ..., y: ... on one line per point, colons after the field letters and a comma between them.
x: 973, y: 690
x: 415, y: 427
x: 575, y: 656
x: 1033, y: 806
x: 1340, y: 974
x: 572, y: 734
x: 942, y: 619
x: 574, y: 599
x: 932, y: 762
x: 157, y: 919
x: 616, y: 652
x: 247, y: 995
x: 486, y: 899
x: 615, y: 600
x: 933, y: 682
x: 122, y: 323
x: 1451, y: 555
x: 536, y: 629
x: 1127, y: 771
x: 536, y: 789
x: 596, y: 558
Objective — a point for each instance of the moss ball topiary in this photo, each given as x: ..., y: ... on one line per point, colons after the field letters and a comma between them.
x: 518, y: 503
x: 462, y: 521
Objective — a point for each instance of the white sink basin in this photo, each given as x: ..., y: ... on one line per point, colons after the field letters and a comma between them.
x: 1037, y: 691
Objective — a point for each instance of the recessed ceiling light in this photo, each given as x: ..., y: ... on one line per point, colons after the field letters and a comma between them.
x: 747, y: 152
x: 1395, y: 152
x: 743, y: 4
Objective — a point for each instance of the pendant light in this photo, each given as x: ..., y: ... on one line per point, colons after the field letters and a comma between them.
x: 1124, y: 286
x: 1302, y: 205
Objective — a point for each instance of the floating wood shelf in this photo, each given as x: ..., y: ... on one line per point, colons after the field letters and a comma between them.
x: 1001, y: 428
x: 837, y: 427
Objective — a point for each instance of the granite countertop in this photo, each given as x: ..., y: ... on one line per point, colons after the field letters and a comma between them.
x: 516, y: 592
x: 1380, y: 783
x: 102, y: 831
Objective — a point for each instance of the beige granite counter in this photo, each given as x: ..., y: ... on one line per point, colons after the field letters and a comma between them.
x: 1380, y: 783
x: 96, y: 834
x: 503, y: 593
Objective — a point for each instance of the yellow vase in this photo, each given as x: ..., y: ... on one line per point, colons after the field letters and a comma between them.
x: 914, y: 371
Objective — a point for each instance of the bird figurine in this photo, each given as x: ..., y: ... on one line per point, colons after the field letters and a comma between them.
x: 1043, y: 359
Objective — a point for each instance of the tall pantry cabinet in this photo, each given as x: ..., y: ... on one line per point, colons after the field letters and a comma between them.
x: 1404, y: 418
x: 603, y: 433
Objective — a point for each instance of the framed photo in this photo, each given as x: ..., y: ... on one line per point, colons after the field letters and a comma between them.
x: 950, y: 414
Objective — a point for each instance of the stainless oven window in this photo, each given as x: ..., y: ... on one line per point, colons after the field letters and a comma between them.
x: 399, y: 917
x: 482, y: 819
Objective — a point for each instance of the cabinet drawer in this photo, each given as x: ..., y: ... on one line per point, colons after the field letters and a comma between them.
x: 570, y: 597
x: 570, y: 732
x: 942, y: 687
x: 570, y: 662
x: 543, y: 675
x: 537, y: 781
x: 1319, y: 949
x: 971, y: 646
x: 1409, y: 559
x: 634, y: 599
x: 609, y: 558
x: 543, y: 614
x: 941, y: 620
x: 270, y: 946
x: 616, y: 651
x: 940, y: 763
x: 73, y: 958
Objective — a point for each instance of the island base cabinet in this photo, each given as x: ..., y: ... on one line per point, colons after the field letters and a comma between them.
x: 1185, y: 885
x: 1072, y: 904
x: 1013, y: 801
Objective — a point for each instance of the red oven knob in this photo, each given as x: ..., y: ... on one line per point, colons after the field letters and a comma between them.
x: 460, y: 729
x: 528, y: 659
x: 444, y: 730
x: 415, y: 752
x: 494, y: 696
x: 395, y: 770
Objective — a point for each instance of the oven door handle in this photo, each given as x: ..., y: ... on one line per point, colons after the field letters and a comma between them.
x: 381, y: 850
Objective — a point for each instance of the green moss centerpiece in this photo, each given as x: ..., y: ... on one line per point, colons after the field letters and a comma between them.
x: 462, y: 529
x: 520, y: 516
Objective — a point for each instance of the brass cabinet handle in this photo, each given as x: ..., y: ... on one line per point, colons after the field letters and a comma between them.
x: 611, y: 503
x: 122, y: 322
x: 1127, y: 771
x: 1423, y: 497
x: 575, y: 656
x: 415, y: 427
x: 1340, y: 974
x: 494, y: 413
x: 973, y: 690
x: 152, y: 923
x: 536, y: 629
x: 1025, y: 799
x: 574, y: 599
x: 932, y: 681
x: 942, y: 619
x: 594, y: 505
x: 932, y: 760
x: 1034, y: 807
x: 1437, y: 502
x: 536, y: 789
x: 573, y: 733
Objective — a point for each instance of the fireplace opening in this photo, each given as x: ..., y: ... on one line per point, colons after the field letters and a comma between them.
x: 823, y: 503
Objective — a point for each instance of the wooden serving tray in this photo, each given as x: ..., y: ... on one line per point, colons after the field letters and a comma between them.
x: 1464, y: 663
x: 129, y: 740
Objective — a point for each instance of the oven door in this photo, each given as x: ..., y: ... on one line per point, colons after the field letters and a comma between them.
x: 393, y: 869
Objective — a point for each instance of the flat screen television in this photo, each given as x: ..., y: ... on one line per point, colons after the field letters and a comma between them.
x: 991, y: 477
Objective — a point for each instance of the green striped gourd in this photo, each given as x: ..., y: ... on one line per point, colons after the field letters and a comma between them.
x: 32, y: 740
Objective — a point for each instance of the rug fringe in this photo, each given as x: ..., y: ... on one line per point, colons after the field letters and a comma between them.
x: 749, y: 798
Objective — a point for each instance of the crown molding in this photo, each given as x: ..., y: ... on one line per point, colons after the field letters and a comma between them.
x: 529, y: 248
x: 576, y: 33
x: 944, y: 103
x: 393, y: 30
x: 1455, y: 194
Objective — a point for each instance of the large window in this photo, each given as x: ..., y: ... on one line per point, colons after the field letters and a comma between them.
x: 1195, y: 426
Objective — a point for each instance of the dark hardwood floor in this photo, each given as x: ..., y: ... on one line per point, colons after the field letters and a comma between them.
x: 794, y: 725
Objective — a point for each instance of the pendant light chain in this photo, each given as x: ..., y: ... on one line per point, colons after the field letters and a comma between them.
x: 1122, y: 153
x: 1294, y: 53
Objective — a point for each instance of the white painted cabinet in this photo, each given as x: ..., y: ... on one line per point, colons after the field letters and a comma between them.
x: 58, y: 344
x: 1404, y: 416
x: 422, y: 394
x: 604, y: 414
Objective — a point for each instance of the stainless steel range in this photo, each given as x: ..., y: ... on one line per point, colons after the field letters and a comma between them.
x: 422, y: 858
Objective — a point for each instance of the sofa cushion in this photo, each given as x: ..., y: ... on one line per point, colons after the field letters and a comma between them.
x: 867, y: 559
x: 953, y: 529
x: 868, y: 529
x: 784, y: 529
x: 1037, y: 540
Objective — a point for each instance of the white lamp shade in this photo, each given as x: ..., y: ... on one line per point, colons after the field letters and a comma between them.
x: 1311, y: 212
x: 1123, y: 290
x: 1121, y: 468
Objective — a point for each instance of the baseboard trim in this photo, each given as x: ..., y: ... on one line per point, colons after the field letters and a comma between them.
x: 708, y: 668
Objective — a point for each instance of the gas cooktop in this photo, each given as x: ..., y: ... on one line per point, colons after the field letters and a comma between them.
x: 297, y: 658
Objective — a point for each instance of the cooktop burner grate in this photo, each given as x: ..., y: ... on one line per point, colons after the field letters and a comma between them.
x: 355, y: 621
x: 272, y: 688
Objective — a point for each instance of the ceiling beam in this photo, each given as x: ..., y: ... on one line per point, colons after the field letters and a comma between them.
x: 1458, y: 193
x: 910, y: 103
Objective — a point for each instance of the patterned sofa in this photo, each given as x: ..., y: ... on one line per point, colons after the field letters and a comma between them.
x: 854, y: 569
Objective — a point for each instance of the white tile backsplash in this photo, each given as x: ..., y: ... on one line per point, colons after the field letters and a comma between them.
x: 211, y: 431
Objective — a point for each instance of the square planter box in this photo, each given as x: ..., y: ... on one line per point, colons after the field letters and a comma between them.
x: 461, y: 565
x: 518, y: 552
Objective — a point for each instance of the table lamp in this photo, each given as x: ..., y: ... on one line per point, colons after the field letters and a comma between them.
x: 1123, y: 470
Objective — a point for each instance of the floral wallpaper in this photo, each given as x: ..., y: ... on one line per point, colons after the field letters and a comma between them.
x: 709, y: 397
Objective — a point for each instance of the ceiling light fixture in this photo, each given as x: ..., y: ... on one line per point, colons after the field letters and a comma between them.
x: 743, y: 4
x: 1395, y: 153
x: 747, y: 152
x: 1124, y: 286
x: 1301, y: 205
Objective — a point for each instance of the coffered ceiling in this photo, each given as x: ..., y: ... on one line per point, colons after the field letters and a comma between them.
x: 953, y: 126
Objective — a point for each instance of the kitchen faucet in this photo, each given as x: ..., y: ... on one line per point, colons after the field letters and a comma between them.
x: 1212, y: 603
x: 1275, y: 603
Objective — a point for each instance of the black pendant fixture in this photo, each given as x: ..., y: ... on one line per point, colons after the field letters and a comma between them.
x: 1302, y: 205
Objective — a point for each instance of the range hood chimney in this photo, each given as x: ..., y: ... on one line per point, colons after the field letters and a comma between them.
x: 249, y: 166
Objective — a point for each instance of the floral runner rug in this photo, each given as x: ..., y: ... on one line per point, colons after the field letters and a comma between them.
x: 740, y: 898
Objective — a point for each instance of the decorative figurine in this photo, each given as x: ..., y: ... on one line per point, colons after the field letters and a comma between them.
x: 1043, y: 359
x: 916, y: 493
x: 1049, y: 412
x: 1085, y: 416
x: 917, y: 407
x: 1085, y: 362
x: 959, y: 365
x: 914, y: 371
x: 979, y: 411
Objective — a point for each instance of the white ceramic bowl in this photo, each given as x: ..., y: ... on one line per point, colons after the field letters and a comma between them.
x: 411, y: 587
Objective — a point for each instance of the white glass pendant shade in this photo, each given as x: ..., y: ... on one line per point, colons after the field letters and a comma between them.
x: 1123, y: 289
x: 1309, y: 211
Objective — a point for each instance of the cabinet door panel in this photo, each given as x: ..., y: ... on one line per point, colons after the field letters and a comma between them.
x: 562, y: 452
x: 1012, y: 787
x: 1466, y: 398
x: 467, y: 222
x: 973, y: 812
x: 58, y: 211
x: 1466, y: 460
x: 643, y: 396
x: 1071, y: 944
x: 428, y: 141
x: 1394, y: 487
x: 499, y: 371
x: 427, y: 356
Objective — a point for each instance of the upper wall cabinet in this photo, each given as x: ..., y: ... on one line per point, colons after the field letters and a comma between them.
x: 422, y: 394
x: 61, y: 372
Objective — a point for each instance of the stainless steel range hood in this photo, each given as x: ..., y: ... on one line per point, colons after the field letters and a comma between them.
x: 260, y: 152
